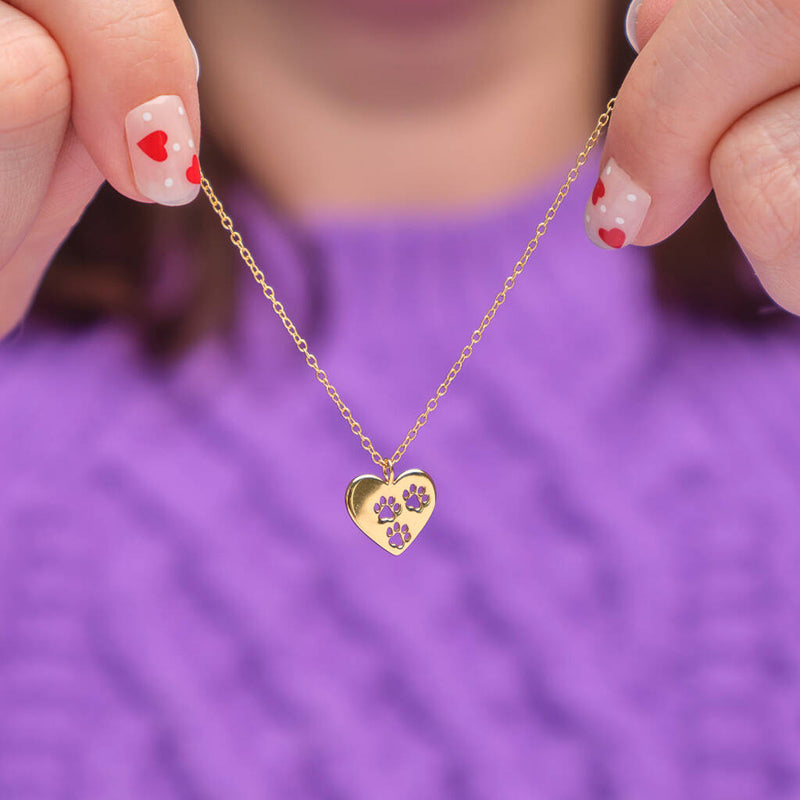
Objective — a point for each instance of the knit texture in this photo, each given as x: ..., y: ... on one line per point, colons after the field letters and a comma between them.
x: 605, y: 603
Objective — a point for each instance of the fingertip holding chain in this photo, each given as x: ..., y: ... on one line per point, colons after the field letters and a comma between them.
x: 387, y: 464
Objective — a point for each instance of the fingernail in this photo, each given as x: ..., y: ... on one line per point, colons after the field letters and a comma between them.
x: 196, y: 60
x: 617, y: 208
x: 162, y: 151
x: 631, y: 20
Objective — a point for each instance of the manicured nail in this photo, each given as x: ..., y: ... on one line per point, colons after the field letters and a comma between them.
x: 631, y: 20
x: 162, y: 151
x: 196, y: 60
x: 617, y: 208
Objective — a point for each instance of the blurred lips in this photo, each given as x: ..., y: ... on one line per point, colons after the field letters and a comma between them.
x: 408, y: 10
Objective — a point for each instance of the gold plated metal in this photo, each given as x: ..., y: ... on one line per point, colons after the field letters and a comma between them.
x: 392, y: 513
x: 387, y: 464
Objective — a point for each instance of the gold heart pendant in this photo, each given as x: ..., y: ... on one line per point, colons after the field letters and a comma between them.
x: 392, y: 513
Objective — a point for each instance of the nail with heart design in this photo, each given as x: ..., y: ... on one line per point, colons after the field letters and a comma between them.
x: 162, y: 151
x: 617, y: 208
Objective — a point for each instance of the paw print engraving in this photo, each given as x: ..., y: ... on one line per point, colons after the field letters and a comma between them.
x: 387, y: 509
x: 398, y: 535
x: 416, y: 497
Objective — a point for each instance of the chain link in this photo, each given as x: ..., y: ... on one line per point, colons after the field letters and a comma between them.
x: 387, y: 464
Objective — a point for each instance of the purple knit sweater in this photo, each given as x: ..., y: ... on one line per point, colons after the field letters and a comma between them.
x: 605, y: 603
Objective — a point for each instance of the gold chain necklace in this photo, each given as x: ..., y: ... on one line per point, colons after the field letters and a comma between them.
x: 393, y: 510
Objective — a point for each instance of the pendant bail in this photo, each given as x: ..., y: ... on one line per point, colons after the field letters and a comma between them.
x: 388, y: 471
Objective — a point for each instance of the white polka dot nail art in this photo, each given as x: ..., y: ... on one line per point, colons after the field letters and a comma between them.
x: 624, y: 202
x: 165, y: 168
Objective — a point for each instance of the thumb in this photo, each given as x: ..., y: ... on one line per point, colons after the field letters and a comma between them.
x: 74, y: 181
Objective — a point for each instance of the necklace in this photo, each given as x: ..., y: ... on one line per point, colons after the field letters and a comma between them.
x: 393, y: 509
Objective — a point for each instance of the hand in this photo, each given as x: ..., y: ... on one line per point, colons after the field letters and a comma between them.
x: 713, y: 100
x: 70, y: 72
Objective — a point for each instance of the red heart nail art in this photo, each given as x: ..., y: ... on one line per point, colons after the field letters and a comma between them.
x: 153, y: 145
x: 599, y: 191
x: 614, y: 238
x: 193, y: 173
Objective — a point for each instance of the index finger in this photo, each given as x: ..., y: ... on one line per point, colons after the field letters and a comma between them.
x: 708, y: 63
x: 131, y: 61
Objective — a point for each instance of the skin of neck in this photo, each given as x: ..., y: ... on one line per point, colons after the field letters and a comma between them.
x: 354, y: 106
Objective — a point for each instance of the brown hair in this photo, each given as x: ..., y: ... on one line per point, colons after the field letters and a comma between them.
x: 104, y: 269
